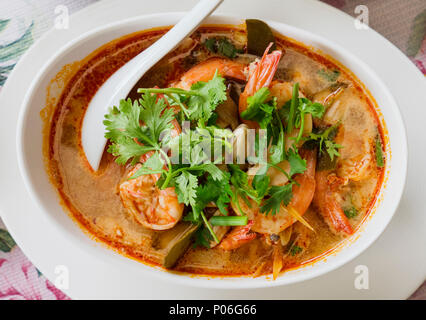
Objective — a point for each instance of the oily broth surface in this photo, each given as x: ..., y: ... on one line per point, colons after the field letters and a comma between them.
x: 93, y: 199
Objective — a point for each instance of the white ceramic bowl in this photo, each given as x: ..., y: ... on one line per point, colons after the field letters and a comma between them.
x: 29, y: 148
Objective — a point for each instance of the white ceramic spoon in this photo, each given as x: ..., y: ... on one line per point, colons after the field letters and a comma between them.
x: 123, y: 80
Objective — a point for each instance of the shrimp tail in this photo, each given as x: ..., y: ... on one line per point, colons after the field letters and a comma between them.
x: 264, y: 72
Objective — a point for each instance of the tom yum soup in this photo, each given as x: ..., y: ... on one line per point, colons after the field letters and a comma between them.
x: 240, y: 153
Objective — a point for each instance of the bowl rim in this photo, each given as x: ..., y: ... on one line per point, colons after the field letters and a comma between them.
x: 204, y: 281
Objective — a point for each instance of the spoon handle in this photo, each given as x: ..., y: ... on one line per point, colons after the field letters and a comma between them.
x: 118, y: 86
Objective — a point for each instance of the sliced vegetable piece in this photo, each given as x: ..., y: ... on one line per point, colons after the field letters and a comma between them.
x: 172, y: 244
x: 259, y: 36
x: 277, y: 264
x: 285, y: 235
x: 379, y: 153
x: 298, y: 217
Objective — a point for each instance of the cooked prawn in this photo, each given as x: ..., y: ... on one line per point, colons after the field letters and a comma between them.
x: 206, y: 70
x: 237, y: 237
x: 325, y: 199
x: 152, y: 207
x: 356, y: 159
x: 260, y: 76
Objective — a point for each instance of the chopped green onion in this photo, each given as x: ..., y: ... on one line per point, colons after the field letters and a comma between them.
x: 351, y: 212
x: 295, y: 250
x: 229, y: 220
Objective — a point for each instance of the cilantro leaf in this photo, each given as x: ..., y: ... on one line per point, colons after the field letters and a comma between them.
x: 316, y: 109
x: 351, y: 212
x: 213, y: 170
x: 202, y: 238
x: 297, y: 164
x: 295, y: 249
x: 153, y: 164
x: 239, y: 178
x: 306, y: 106
x: 258, y: 109
x: 186, y: 188
x: 260, y: 183
x: 125, y: 148
x: 129, y: 138
x: 222, y: 46
x: 192, y: 217
x: 332, y: 148
x: 210, y: 44
x: 154, y: 115
x: 217, y: 191
x: 277, y: 194
x: 201, y: 100
x: 209, y: 95
x: 123, y: 122
x: 324, y: 139
x: 226, y: 48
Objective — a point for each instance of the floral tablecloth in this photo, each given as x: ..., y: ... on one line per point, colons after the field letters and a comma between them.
x: 23, y: 21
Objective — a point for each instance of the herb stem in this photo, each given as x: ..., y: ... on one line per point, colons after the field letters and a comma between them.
x: 293, y: 106
x: 152, y: 143
x: 181, y: 105
x: 237, y: 203
x: 280, y: 169
x: 302, y: 127
x: 209, y: 227
x: 169, y: 91
x: 169, y: 172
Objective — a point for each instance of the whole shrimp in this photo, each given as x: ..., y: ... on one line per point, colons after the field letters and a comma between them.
x: 152, y: 207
